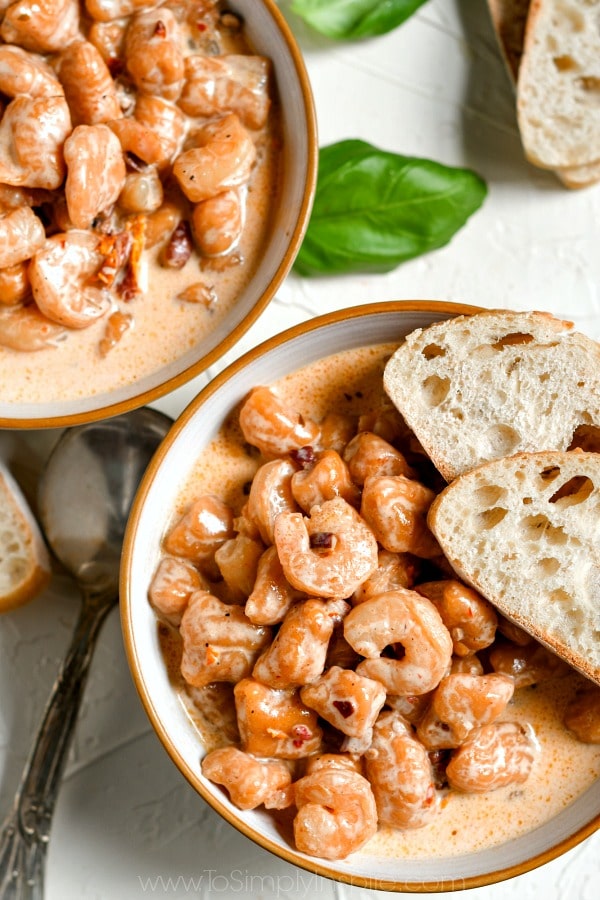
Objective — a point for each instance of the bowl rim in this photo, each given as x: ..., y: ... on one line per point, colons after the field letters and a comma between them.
x: 289, y: 854
x: 113, y: 408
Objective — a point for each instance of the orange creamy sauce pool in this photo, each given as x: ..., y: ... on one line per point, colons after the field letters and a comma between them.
x: 351, y: 383
x: 162, y: 327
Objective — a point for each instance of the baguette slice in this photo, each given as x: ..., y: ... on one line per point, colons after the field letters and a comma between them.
x: 479, y: 387
x: 509, y: 18
x: 558, y: 86
x: 524, y: 531
x: 24, y: 559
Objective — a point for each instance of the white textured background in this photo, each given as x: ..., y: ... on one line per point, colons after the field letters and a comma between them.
x: 127, y: 825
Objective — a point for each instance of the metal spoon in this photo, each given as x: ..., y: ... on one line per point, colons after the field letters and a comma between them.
x: 84, y: 497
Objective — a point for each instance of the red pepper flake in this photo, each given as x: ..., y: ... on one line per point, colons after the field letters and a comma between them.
x: 344, y: 707
x: 201, y: 26
x: 160, y: 29
x: 301, y: 734
x: 304, y: 457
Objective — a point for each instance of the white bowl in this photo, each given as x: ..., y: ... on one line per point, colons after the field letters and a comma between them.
x: 269, y: 35
x: 166, y: 476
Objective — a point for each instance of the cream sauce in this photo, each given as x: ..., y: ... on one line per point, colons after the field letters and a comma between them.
x: 351, y: 382
x: 163, y: 328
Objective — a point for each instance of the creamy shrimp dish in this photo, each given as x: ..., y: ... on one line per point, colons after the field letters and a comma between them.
x: 139, y: 143
x: 337, y: 671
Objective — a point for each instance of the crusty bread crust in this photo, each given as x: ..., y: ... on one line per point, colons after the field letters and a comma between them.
x: 523, y: 531
x: 24, y: 560
x: 476, y: 388
x: 509, y: 18
x: 558, y: 84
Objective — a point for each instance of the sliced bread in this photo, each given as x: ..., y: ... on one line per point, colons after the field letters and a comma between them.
x: 524, y: 531
x: 24, y: 559
x: 509, y: 18
x: 475, y: 388
x: 558, y: 87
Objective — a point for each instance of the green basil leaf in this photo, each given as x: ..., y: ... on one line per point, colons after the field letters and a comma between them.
x: 355, y: 18
x: 374, y: 210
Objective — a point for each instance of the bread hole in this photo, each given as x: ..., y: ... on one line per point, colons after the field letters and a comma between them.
x: 586, y: 437
x: 589, y: 83
x: 511, y: 340
x: 549, y: 474
x: 527, y: 501
x: 431, y: 351
x: 489, y: 495
x: 489, y: 518
x: 499, y: 440
x: 547, y: 566
x: 544, y: 377
x: 435, y: 389
x: 457, y: 413
x: 564, y: 63
x: 569, y: 16
x: 534, y: 528
x: 575, y: 490
x: 559, y: 595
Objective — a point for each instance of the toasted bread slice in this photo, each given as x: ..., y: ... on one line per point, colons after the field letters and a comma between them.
x: 479, y: 387
x: 509, y: 18
x: 523, y: 531
x: 24, y: 559
x: 559, y: 84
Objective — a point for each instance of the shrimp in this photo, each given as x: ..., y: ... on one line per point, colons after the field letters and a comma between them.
x: 368, y: 455
x: 88, y: 85
x: 582, y: 716
x: 230, y: 84
x: 460, y: 704
x: 348, y: 701
x: 337, y: 430
x: 24, y: 328
x: 43, y: 26
x: 250, y: 782
x: 21, y: 235
x: 237, y: 560
x: 275, y: 723
x: 109, y: 40
x: 336, y: 814
x: 222, y: 159
x: 328, y: 554
x: 394, y: 570
x: 142, y: 192
x: 161, y: 224
x: 218, y: 222
x: 527, y: 664
x: 95, y: 172
x: 396, y: 508
x: 32, y: 134
x: 272, y: 595
x: 172, y: 586
x: 468, y: 616
x: 60, y: 275
x: 497, y: 755
x: 297, y: 654
x: 26, y: 73
x: 270, y: 426
x: 152, y: 53
x: 14, y: 283
x: 400, y: 617
x: 270, y: 495
x: 401, y: 775
x: 326, y: 478
x: 166, y: 122
x: 137, y: 138
x: 200, y: 532
x: 106, y: 10
x: 219, y: 642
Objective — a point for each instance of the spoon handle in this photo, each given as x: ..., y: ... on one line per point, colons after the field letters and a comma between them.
x: 26, y: 830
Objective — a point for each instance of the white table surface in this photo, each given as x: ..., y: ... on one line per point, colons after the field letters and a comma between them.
x: 127, y: 825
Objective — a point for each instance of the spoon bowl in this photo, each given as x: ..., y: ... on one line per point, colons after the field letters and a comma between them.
x: 84, y: 497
